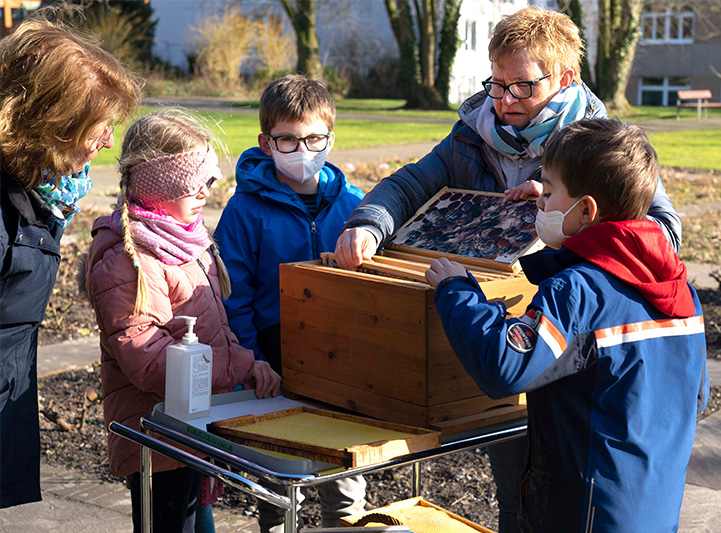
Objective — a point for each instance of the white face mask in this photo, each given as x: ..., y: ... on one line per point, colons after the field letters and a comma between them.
x: 299, y: 166
x: 549, y: 226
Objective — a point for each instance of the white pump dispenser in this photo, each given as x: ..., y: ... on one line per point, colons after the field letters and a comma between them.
x: 188, y: 376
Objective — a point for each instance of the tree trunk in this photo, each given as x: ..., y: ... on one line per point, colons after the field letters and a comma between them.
x: 302, y: 17
x: 574, y: 9
x: 399, y: 14
x: 618, y: 33
x: 427, y: 36
x: 448, y: 47
x: 424, y: 80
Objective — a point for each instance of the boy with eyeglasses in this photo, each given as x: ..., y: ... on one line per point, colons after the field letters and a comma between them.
x: 289, y: 205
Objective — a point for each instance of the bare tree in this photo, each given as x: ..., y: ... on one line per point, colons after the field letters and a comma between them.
x: 618, y: 33
x: 427, y: 35
x: 302, y: 17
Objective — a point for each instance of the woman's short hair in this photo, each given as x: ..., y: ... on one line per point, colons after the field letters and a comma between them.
x: 611, y: 161
x: 550, y: 36
x: 55, y: 87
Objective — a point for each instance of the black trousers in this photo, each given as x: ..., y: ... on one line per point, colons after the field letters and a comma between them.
x: 175, y: 497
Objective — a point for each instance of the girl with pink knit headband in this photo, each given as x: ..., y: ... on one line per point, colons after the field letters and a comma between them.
x: 152, y: 260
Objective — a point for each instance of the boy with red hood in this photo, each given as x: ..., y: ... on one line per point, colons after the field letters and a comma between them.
x: 611, y: 350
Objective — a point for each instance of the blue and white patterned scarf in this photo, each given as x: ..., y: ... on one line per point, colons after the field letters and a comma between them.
x: 62, y: 197
x: 567, y: 106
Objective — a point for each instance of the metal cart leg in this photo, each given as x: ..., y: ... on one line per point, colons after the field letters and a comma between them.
x: 416, y: 479
x: 146, y: 489
x: 291, y: 515
x: 148, y: 444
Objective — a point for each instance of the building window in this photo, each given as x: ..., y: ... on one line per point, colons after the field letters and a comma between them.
x: 661, y: 91
x: 667, y: 27
x: 470, y: 41
x: 466, y: 88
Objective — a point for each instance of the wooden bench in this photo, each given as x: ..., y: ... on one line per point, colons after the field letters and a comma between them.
x: 698, y: 99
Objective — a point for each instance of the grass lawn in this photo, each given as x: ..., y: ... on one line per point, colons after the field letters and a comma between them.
x: 240, y: 132
x: 689, y: 149
x: 693, y: 149
x: 641, y: 113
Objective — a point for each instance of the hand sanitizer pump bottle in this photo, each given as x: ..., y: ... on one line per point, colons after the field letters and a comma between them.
x: 188, y: 376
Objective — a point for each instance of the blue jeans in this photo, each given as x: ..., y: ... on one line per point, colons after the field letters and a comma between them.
x: 204, y: 522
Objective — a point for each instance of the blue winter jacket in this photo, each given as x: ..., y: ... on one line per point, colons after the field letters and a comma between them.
x: 460, y: 161
x: 265, y: 224
x: 614, y: 388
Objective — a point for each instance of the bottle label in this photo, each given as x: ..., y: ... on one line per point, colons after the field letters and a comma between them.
x: 200, y: 383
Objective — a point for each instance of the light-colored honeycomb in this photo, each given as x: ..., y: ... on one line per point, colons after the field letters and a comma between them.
x: 323, y: 431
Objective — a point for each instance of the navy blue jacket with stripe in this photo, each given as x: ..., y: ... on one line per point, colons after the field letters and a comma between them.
x: 614, y: 384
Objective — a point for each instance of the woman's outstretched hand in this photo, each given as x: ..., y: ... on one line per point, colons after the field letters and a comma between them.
x: 354, y: 246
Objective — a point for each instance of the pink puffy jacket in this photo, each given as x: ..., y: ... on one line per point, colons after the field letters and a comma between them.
x: 133, y: 347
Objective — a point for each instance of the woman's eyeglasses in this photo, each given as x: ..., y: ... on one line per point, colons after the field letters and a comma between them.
x: 520, y: 90
x: 104, y: 139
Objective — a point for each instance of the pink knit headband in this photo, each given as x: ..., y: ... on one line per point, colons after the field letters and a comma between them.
x: 170, y: 177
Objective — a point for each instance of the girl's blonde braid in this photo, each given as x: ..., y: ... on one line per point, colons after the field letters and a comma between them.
x: 142, y: 301
x: 222, y: 272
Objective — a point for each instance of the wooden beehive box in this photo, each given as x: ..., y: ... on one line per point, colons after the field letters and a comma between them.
x: 372, y: 342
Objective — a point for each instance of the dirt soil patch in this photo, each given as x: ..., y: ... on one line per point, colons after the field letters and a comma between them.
x: 71, y: 417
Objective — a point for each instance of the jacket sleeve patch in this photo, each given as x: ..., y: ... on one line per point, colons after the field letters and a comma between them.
x: 521, y: 337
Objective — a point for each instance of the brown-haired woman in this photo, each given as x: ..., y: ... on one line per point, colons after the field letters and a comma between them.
x: 59, y: 96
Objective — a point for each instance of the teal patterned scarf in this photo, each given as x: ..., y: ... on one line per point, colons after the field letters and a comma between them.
x: 567, y: 106
x: 62, y: 195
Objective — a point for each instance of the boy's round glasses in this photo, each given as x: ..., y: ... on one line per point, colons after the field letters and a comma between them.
x: 520, y: 90
x: 315, y: 142
x: 104, y: 139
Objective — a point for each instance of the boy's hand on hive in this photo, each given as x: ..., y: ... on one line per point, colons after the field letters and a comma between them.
x: 354, y: 246
x: 441, y: 269
x: 266, y: 380
x: 527, y: 190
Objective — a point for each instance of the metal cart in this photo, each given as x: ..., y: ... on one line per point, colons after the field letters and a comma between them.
x: 293, y: 474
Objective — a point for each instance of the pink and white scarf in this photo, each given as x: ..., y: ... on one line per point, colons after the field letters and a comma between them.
x: 171, y: 242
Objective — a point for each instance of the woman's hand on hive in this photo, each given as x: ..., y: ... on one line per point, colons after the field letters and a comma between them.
x: 354, y: 246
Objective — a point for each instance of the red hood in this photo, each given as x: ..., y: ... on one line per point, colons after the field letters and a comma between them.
x: 637, y: 252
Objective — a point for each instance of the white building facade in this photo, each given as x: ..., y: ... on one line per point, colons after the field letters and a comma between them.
x: 352, y: 33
